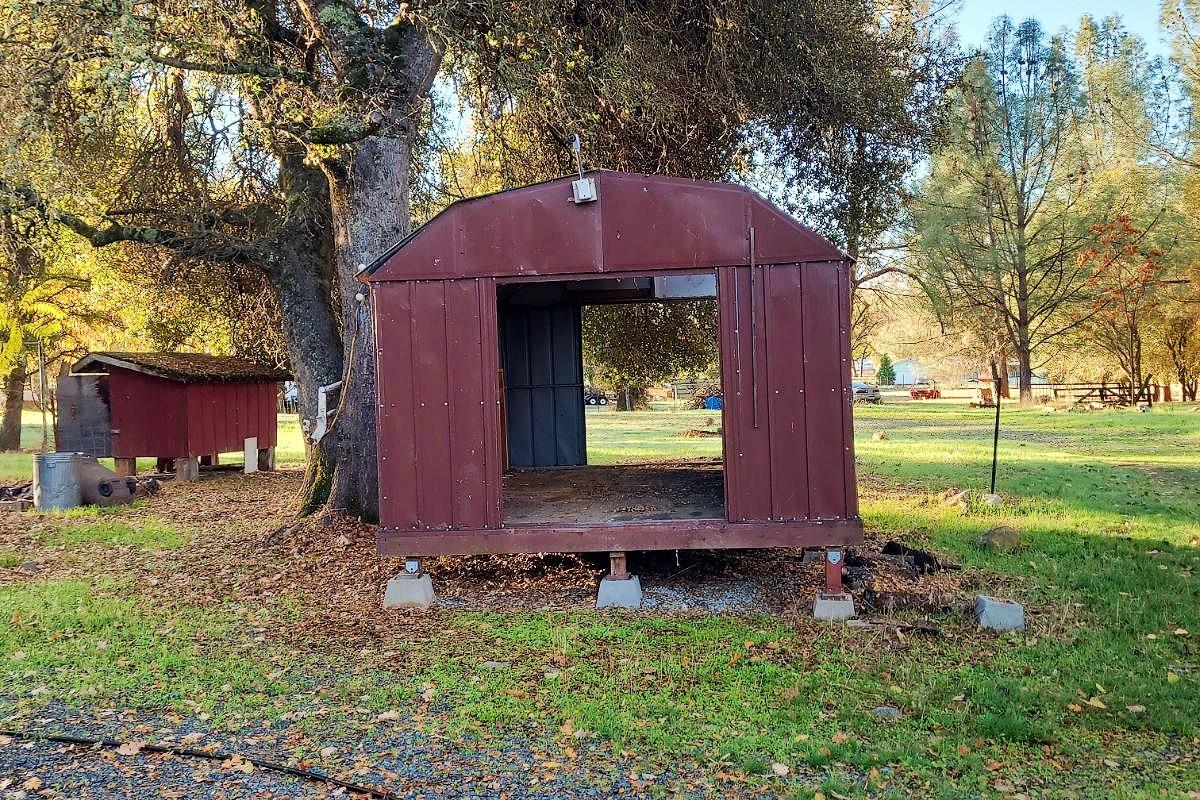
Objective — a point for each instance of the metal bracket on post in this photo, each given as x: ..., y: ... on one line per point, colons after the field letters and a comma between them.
x: 833, y: 571
x: 833, y: 604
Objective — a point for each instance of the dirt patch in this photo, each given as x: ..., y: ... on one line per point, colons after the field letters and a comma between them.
x: 692, y: 489
x: 243, y: 546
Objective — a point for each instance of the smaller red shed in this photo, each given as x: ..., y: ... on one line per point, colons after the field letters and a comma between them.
x: 177, y: 406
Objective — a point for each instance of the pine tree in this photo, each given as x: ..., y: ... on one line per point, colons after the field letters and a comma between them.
x: 886, y: 376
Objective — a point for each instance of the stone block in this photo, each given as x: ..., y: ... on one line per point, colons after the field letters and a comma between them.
x: 619, y: 593
x: 407, y: 590
x: 999, y: 615
x: 833, y: 607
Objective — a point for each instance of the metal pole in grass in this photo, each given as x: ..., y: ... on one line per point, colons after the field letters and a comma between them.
x: 996, y: 435
x: 43, y: 391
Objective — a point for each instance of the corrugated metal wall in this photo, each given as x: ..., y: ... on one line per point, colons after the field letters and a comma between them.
x: 149, y: 415
x: 788, y: 455
x: 221, y: 416
x: 439, y: 435
x: 159, y: 418
x: 785, y: 369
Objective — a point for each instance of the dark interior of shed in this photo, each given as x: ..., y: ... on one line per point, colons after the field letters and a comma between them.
x: 544, y: 414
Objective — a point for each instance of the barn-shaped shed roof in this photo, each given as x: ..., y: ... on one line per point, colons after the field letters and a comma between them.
x: 183, y: 367
x: 636, y: 223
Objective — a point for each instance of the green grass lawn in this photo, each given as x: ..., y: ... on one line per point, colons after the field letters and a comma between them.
x: 1098, y: 698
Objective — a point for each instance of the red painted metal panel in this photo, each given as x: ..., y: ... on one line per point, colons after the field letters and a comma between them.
x: 468, y: 448
x: 432, y: 408
x: 744, y: 380
x: 639, y: 223
x: 780, y: 239
x: 652, y: 223
x: 539, y: 232
x: 438, y: 427
x: 162, y: 418
x: 784, y: 336
x: 847, y: 392
x: 149, y: 415
x: 824, y: 388
x: 397, y: 418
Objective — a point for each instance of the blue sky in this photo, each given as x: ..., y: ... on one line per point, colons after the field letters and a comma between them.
x: 974, y: 17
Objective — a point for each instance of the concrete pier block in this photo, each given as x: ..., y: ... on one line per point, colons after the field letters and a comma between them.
x: 833, y: 607
x: 619, y: 593
x: 408, y: 590
x: 999, y: 615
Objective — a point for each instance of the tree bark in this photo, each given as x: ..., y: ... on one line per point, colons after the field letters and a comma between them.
x: 369, y: 198
x: 300, y: 270
x: 14, y: 395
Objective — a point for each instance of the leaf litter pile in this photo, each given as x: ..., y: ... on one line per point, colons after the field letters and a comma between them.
x: 243, y: 549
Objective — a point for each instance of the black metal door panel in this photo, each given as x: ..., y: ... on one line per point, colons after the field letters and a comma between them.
x: 543, y: 378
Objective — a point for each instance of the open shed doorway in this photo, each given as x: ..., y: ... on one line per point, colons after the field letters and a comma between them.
x: 571, y: 461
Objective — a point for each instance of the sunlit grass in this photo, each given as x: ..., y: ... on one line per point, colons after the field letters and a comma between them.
x: 1107, y: 673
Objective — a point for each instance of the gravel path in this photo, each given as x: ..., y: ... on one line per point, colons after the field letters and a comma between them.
x: 395, y: 756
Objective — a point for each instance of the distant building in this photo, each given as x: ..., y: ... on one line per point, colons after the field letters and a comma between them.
x: 908, y: 371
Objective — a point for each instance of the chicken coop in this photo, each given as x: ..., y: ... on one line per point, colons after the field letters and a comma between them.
x: 482, y: 418
x: 176, y: 407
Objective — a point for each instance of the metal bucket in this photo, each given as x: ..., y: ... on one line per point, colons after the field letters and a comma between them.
x: 56, y: 480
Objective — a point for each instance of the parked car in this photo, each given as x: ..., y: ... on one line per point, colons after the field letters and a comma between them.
x: 866, y: 392
x: 924, y: 390
x: 595, y: 398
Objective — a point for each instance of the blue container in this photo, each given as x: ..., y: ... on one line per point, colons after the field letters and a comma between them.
x: 713, y: 403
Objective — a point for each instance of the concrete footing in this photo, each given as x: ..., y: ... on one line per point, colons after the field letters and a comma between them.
x: 619, y: 593
x: 833, y: 607
x: 999, y: 615
x: 408, y: 590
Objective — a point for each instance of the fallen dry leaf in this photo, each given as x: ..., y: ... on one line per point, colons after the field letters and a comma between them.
x: 130, y: 748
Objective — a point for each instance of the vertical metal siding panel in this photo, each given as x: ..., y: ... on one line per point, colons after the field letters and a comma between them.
x: 397, y: 456
x: 467, y: 404
x: 823, y: 386
x: 270, y: 427
x: 226, y: 406
x: 195, y: 418
x: 750, y: 461
x: 783, y: 286
x: 430, y: 356
x: 489, y: 337
x: 847, y: 392
x: 212, y: 415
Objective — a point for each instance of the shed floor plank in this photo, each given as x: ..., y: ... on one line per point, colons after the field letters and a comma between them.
x: 691, y: 489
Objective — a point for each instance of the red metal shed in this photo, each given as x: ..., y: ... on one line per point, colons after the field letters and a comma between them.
x: 178, y: 406
x: 442, y: 295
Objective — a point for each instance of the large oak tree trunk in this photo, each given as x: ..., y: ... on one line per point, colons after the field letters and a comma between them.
x: 301, y: 273
x: 369, y: 197
x: 14, y: 393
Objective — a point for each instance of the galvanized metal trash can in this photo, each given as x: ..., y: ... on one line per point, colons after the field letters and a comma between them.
x: 56, y: 481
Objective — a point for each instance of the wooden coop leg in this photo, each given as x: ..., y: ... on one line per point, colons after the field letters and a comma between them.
x: 266, y: 459
x: 187, y: 469
x: 125, y: 466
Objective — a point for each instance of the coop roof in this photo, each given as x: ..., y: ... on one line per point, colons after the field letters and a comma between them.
x: 636, y: 223
x: 183, y: 367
